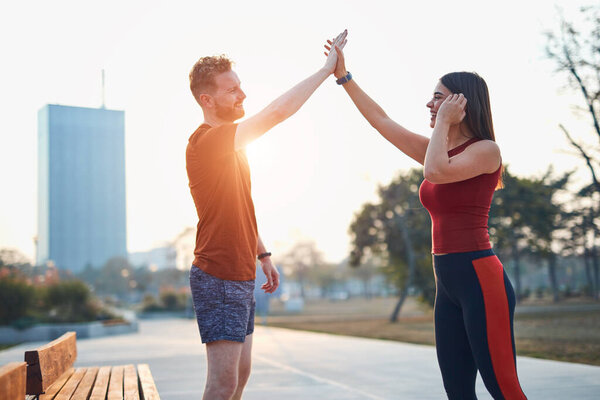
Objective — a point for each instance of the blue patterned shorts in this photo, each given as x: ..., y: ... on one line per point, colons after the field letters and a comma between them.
x: 224, y: 309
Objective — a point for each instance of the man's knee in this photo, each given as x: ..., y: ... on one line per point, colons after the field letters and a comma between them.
x: 222, y: 387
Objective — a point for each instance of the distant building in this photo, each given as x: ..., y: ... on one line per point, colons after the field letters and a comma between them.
x: 81, y: 196
x: 184, y: 245
x: 155, y: 259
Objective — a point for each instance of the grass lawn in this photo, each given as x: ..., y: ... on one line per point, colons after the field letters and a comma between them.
x: 565, y: 332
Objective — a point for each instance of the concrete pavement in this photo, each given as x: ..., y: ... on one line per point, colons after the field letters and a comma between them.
x: 302, y: 365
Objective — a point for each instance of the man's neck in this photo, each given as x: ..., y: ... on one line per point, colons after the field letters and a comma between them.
x: 214, y: 121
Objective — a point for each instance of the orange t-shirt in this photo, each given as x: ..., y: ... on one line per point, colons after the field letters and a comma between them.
x: 219, y: 176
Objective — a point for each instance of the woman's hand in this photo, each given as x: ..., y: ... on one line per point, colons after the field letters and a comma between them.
x: 338, y: 44
x: 452, y: 110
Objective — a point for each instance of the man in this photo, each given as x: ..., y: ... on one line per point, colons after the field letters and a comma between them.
x: 227, y: 241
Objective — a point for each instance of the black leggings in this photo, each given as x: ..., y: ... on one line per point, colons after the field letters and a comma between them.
x: 474, y: 307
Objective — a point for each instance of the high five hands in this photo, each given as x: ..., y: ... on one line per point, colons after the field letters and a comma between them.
x: 333, y: 57
x: 340, y: 68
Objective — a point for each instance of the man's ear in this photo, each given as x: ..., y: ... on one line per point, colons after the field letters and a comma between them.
x: 206, y: 100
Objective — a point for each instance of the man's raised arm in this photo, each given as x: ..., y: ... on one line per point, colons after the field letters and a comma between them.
x: 286, y: 104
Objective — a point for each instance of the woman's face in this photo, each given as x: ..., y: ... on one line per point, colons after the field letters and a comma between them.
x: 439, y: 94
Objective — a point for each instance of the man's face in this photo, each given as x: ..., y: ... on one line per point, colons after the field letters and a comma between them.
x: 228, y: 96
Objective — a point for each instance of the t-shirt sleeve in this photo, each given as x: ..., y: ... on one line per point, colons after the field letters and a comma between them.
x: 216, y: 142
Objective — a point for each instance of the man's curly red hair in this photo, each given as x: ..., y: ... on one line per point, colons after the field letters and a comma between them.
x: 202, y: 75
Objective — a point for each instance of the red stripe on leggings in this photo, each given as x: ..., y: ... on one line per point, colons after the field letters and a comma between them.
x: 491, y: 278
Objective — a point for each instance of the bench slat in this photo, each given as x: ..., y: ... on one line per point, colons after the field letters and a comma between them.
x: 149, y: 391
x: 49, y: 372
x: 67, y: 391
x: 115, y: 387
x: 130, y: 383
x: 85, y: 386
x: 57, y: 385
x: 47, y: 363
x: 13, y: 378
x: 101, y: 385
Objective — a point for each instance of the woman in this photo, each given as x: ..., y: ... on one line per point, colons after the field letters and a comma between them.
x: 475, y: 301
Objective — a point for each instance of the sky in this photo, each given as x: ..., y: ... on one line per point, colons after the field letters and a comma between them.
x: 311, y: 173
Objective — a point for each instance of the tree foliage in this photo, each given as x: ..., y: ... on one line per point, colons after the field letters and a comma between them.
x: 306, y: 265
x: 398, y: 230
x: 575, y: 49
x: 524, y: 220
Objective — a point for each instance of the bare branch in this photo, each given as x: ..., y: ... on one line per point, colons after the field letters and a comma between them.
x: 588, y: 159
x: 588, y: 99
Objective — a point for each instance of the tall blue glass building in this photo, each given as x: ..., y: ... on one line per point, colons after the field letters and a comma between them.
x: 81, y: 186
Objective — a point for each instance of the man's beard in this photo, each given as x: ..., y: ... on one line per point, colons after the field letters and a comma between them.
x: 229, y: 114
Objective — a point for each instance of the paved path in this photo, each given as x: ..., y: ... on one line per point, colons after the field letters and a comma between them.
x: 294, y: 365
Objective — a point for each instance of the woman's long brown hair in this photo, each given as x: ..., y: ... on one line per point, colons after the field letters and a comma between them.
x: 478, y: 112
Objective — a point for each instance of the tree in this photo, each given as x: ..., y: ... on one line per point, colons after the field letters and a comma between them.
x: 576, y: 53
x: 13, y: 258
x: 524, y: 218
x: 369, y: 268
x: 583, y: 234
x: 301, y: 259
x: 546, y: 217
x: 398, y: 229
x: 507, y: 225
x: 114, y: 277
x: 325, y: 277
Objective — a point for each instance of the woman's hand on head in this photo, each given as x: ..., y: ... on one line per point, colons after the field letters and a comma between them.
x: 452, y: 110
x: 340, y: 67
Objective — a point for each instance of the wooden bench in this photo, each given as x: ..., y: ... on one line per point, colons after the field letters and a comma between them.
x: 12, y: 381
x: 51, y: 376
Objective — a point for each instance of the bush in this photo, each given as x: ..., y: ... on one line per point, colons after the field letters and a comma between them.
x: 70, y: 301
x: 540, y: 291
x: 169, y: 301
x: 24, y: 305
x: 173, y: 301
x: 17, y: 298
x: 150, y: 304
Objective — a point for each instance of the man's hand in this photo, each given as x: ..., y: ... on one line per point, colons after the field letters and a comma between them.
x: 272, y: 275
x: 288, y: 103
x: 332, y: 57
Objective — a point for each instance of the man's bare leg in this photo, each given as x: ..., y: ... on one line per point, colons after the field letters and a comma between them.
x: 223, y: 359
x: 245, y: 365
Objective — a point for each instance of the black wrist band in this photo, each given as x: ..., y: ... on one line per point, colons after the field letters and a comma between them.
x: 263, y: 255
x: 344, y: 79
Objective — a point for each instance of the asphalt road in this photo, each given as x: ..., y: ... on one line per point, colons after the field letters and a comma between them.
x: 301, y: 365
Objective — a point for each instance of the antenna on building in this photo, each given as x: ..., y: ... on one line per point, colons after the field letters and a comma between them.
x: 103, y: 103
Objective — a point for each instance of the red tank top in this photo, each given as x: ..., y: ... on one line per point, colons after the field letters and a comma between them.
x: 459, y: 210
